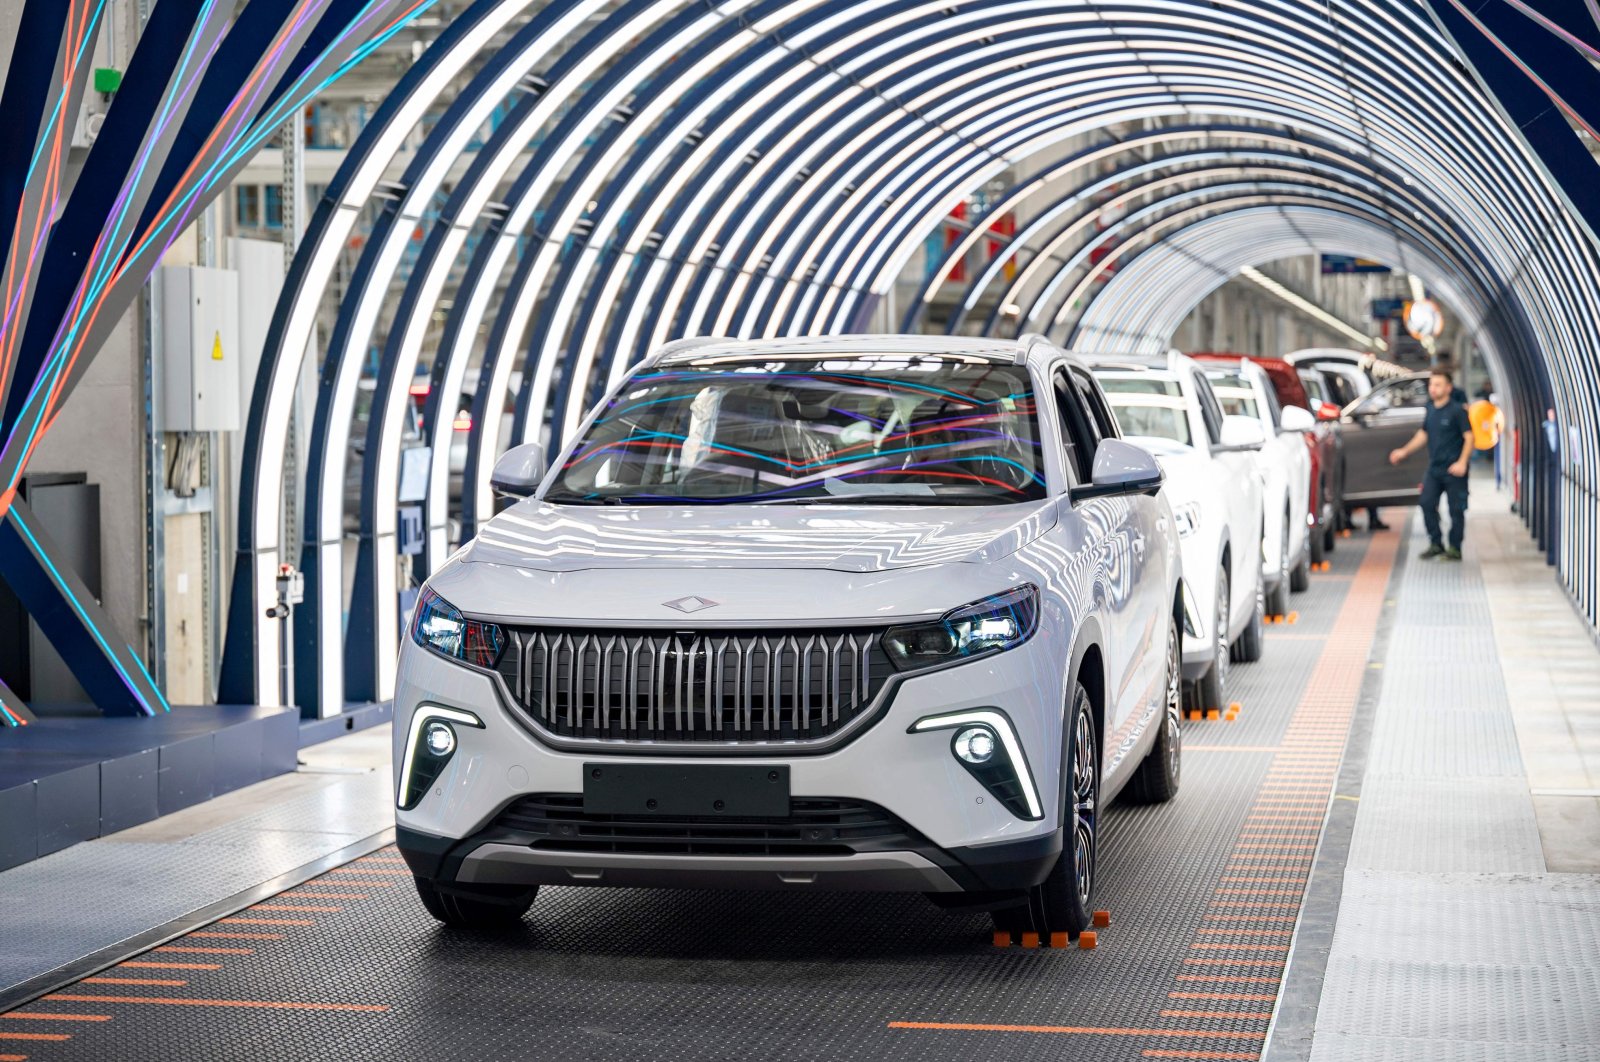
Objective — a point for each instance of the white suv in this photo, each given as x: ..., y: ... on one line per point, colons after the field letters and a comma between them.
x: 1244, y: 390
x: 856, y: 612
x: 1166, y: 405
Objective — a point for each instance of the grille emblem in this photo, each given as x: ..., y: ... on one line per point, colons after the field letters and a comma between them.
x: 692, y: 604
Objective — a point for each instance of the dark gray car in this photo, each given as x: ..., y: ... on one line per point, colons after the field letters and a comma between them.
x: 1378, y: 422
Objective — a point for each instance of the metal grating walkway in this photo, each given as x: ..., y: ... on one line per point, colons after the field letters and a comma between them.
x: 1453, y: 944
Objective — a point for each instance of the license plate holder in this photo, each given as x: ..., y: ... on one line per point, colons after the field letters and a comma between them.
x: 665, y: 789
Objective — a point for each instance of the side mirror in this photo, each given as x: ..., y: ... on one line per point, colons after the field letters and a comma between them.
x: 1120, y: 468
x: 1296, y: 419
x: 518, y: 471
x: 1243, y: 433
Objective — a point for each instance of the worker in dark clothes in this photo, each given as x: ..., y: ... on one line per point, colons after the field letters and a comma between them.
x: 1447, y: 433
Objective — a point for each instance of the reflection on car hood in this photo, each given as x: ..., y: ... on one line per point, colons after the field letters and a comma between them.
x: 570, y: 538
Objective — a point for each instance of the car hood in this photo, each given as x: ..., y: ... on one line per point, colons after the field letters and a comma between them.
x: 532, y: 534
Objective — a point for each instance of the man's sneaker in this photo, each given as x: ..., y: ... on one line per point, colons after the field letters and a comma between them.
x: 1432, y: 551
x: 1452, y: 554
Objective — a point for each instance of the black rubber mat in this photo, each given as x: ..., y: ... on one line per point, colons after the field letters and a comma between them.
x: 350, y: 966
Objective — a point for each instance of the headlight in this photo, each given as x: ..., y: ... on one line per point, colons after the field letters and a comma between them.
x: 992, y: 625
x: 1187, y: 518
x: 439, y: 625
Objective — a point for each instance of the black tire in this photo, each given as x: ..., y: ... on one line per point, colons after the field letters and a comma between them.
x: 1277, y: 602
x: 1300, y: 575
x: 1210, y: 689
x: 463, y: 907
x: 1064, y: 901
x: 1247, y: 650
x: 1159, y: 774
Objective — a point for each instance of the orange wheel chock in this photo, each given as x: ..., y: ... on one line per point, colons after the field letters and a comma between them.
x: 1086, y: 940
x: 1293, y: 617
x: 1344, y: 534
x: 1030, y: 940
x: 1058, y: 940
x: 1102, y: 919
x: 1213, y: 714
x: 1235, y: 706
x: 1002, y: 939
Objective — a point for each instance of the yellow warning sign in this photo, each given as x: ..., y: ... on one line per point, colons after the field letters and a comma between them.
x: 216, y: 346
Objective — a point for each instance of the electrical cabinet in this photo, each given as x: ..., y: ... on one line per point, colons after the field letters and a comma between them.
x: 200, y: 353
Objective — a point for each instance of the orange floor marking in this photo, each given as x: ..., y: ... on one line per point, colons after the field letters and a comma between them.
x: 236, y: 936
x: 1252, y: 918
x: 1153, y: 1052
x: 13, y: 1058
x: 58, y: 1017
x: 268, y: 1004
x: 163, y: 982
x: 141, y: 964
x: 371, y: 873
x: 1279, y: 845
x: 1232, y: 962
x: 294, y: 907
x: 55, y: 1038
x: 1246, y: 1015
x: 268, y: 921
x: 1257, y: 997
x: 1205, y: 945
x: 1262, y: 892
x: 299, y: 894
x: 1249, y: 932
x: 1090, y: 1030
x: 1229, y: 977
x: 207, y: 951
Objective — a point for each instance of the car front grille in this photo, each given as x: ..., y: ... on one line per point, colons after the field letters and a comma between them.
x: 557, y: 821
x: 625, y: 686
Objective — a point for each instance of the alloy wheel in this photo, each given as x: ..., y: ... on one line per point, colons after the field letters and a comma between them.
x: 1222, y: 631
x: 1174, y: 707
x: 1084, y: 799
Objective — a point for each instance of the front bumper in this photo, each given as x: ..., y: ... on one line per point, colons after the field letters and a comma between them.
x: 962, y: 838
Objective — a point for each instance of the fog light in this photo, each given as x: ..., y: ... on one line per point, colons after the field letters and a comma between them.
x: 439, y: 738
x: 975, y: 744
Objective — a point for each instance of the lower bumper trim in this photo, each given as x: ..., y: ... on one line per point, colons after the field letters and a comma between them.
x: 508, y: 864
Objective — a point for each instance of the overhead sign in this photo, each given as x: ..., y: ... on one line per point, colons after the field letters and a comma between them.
x: 1424, y: 319
x: 1386, y: 309
x: 1346, y: 263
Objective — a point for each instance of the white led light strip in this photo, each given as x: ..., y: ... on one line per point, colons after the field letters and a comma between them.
x: 997, y: 722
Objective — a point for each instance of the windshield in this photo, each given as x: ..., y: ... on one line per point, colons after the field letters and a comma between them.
x: 1234, y: 392
x: 892, y: 429
x: 1149, y: 406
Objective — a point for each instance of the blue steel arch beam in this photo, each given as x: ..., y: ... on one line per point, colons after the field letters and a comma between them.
x: 1210, y: 141
x: 252, y: 647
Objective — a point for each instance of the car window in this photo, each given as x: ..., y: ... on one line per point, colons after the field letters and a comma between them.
x: 1095, y: 402
x: 867, y: 427
x: 1342, y: 390
x: 1400, y: 394
x: 1316, y: 391
x: 1148, y: 407
x: 1210, y: 409
x: 1078, y: 433
x: 1274, y: 406
x: 1234, y: 393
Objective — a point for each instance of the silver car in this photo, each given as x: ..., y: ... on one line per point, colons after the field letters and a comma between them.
x: 861, y: 613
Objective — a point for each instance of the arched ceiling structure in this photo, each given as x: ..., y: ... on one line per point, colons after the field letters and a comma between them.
x: 765, y: 168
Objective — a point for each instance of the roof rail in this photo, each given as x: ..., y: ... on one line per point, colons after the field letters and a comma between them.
x: 679, y: 346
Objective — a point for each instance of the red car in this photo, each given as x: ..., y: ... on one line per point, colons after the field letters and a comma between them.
x: 1327, y: 466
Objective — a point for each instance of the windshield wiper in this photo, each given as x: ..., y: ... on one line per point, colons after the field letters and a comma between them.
x: 879, y: 499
